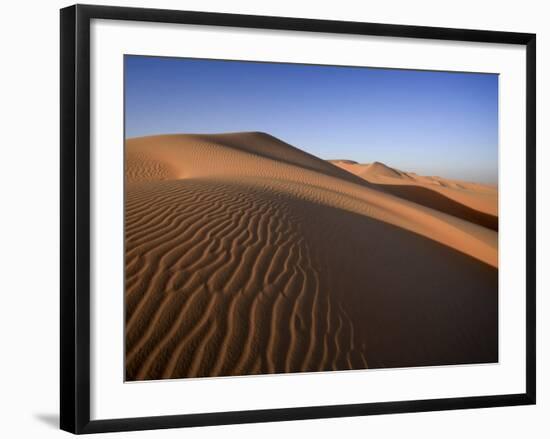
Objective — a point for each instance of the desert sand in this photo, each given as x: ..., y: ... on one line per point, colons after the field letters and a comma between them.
x: 246, y: 255
x: 473, y: 202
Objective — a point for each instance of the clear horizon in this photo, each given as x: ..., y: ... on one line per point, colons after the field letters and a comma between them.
x: 431, y: 123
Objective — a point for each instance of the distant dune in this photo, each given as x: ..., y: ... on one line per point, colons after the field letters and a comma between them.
x: 474, y: 202
x: 246, y: 255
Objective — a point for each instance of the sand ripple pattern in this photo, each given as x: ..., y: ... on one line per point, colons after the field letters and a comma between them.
x: 233, y: 270
x: 220, y: 280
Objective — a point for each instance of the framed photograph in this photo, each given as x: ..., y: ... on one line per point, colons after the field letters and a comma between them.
x: 268, y: 218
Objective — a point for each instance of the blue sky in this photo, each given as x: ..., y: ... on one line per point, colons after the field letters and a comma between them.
x: 432, y: 123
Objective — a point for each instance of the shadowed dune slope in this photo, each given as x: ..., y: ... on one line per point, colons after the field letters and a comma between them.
x: 472, y: 202
x: 435, y: 200
x: 245, y: 256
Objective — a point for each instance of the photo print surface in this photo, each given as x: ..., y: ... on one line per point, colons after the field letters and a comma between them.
x: 285, y: 218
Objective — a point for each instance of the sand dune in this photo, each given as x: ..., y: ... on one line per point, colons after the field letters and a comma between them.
x: 245, y: 255
x: 474, y: 202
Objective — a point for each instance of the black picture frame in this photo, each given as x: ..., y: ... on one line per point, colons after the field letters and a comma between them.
x: 75, y: 217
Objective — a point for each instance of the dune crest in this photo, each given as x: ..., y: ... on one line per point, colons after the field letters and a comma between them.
x: 474, y: 202
x: 247, y: 255
x: 194, y: 156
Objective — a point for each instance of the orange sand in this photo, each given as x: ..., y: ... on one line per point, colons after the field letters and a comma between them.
x: 246, y: 255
